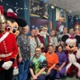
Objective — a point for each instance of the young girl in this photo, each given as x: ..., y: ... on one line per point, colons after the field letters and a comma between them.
x: 52, y: 61
x: 62, y: 62
x: 37, y: 68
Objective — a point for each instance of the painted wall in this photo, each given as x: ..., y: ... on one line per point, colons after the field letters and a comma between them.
x: 73, y: 20
x: 21, y: 9
x: 8, y: 4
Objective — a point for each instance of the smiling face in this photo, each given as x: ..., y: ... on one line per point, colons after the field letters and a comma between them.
x: 60, y: 49
x: 65, y: 30
x: 3, y: 26
x: 71, y: 45
x: 33, y: 32
x: 71, y: 31
x: 13, y: 27
x: 25, y: 30
x: 50, y: 49
x: 53, y: 33
x: 38, y: 52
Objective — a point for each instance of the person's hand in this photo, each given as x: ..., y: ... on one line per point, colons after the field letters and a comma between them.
x: 42, y: 46
x: 48, y: 72
x: 7, y: 65
x: 34, y: 77
x: 43, y: 53
x: 59, y: 69
x: 31, y: 54
x: 20, y: 59
x: 62, y: 43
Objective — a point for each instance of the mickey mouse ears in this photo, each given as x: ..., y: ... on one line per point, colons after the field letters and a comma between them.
x: 64, y: 38
x: 11, y: 15
x: 78, y: 38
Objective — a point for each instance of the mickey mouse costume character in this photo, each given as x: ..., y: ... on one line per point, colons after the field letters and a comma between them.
x: 8, y: 50
x: 14, y: 22
x: 73, y: 55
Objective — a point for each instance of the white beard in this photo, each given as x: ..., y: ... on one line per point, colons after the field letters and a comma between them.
x: 43, y: 34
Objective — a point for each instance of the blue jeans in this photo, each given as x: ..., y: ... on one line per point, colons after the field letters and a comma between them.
x: 42, y: 77
x: 23, y: 70
x: 51, y: 76
x: 15, y: 77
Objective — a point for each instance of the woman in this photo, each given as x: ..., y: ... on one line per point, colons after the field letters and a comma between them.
x: 62, y: 62
x: 34, y: 42
x: 54, y: 40
x: 38, y: 65
x: 52, y: 61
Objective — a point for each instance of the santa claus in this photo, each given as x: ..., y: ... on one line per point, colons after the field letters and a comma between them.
x: 44, y: 38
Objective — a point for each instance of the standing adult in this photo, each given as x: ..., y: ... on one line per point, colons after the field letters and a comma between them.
x: 65, y: 33
x: 34, y: 42
x: 8, y: 51
x: 24, y: 53
x: 54, y: 40
x: 71, y: 32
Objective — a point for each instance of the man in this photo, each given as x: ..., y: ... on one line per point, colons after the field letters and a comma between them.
x: 24, y: 53
x: 36, y: 31
x: 8, y: 51
x: 44, y: 38
x: 65, y: 33
x: 71, y: 32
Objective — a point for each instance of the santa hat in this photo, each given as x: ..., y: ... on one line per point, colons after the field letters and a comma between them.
x: 71, y: 40
x: 11, y: 15
x: 45, y: 27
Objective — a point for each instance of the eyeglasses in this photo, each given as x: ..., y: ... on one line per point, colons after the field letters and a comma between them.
x: 38, y: 51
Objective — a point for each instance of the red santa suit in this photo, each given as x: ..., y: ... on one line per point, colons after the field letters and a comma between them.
x: 8, y: 50
x: 41, y: 37
x: 72, y: 57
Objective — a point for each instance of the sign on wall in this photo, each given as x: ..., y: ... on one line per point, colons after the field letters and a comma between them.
x: 60, y: 15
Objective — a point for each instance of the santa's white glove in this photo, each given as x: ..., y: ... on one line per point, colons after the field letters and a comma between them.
x: 41, y: 45
x: 7, y: 65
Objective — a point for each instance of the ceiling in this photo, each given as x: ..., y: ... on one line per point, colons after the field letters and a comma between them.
x: 71, y: 6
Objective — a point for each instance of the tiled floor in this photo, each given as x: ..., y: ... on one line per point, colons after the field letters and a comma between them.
x: 68, y: 78
x: 73, y: 78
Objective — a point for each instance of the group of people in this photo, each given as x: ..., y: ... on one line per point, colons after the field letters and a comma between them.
x: 36, y: 49
x: 40, y: 54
